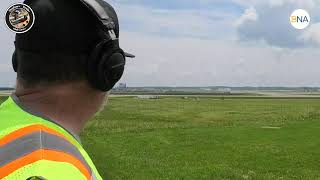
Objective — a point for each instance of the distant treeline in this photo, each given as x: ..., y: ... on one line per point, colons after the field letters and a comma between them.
x: 180, y: 93
x: 248, y: 88
x: 6, y: 89
x: 217, y: 88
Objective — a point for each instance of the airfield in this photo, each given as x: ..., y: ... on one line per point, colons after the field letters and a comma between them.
x: 257, y: 135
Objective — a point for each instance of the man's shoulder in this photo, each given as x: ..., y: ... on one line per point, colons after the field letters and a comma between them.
x: 12, y: 118
x: 15, y: 117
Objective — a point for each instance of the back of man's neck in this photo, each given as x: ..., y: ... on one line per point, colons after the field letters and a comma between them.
x: 69, y: 106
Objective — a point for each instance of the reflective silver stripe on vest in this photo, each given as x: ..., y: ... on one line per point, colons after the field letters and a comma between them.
x: 93, y: 176
x: 37, y: 141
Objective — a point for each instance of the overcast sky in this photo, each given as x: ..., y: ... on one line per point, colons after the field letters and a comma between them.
x: 208, y: 43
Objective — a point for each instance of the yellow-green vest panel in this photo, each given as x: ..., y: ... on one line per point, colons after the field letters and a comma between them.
x: 48, y: 170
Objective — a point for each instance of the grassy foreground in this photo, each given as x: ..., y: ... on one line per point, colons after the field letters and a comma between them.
x: 175, y: 138
x: 206, y: 138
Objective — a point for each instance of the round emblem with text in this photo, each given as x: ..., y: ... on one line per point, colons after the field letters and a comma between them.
x: 20, y: 18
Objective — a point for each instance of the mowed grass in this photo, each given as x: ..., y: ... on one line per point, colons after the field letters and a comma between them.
x: 206, y: 138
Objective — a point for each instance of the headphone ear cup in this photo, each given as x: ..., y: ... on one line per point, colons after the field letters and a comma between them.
x: 15, y: 61
x: 111, y: 70
x: 105, y: 67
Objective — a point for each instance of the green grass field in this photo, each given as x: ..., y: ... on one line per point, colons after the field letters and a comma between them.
x: 206, y: 138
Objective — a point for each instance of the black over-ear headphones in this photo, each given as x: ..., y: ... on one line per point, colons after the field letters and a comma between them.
x: 107, y: 60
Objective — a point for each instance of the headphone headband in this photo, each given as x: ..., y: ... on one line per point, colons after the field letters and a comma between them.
x: 102, y: 16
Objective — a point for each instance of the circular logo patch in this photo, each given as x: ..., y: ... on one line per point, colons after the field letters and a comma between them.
x: 20, y: 18
x: 300, y: 19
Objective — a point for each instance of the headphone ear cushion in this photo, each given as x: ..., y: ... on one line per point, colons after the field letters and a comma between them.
x: 15, y: 61
x: 93, y: 64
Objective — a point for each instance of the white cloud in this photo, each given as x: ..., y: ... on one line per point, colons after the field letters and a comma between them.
x: 312, y: 34
x: 250, y: 14
x: 273, y: 26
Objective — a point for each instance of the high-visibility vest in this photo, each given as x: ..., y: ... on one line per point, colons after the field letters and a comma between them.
x: 32, y: 146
